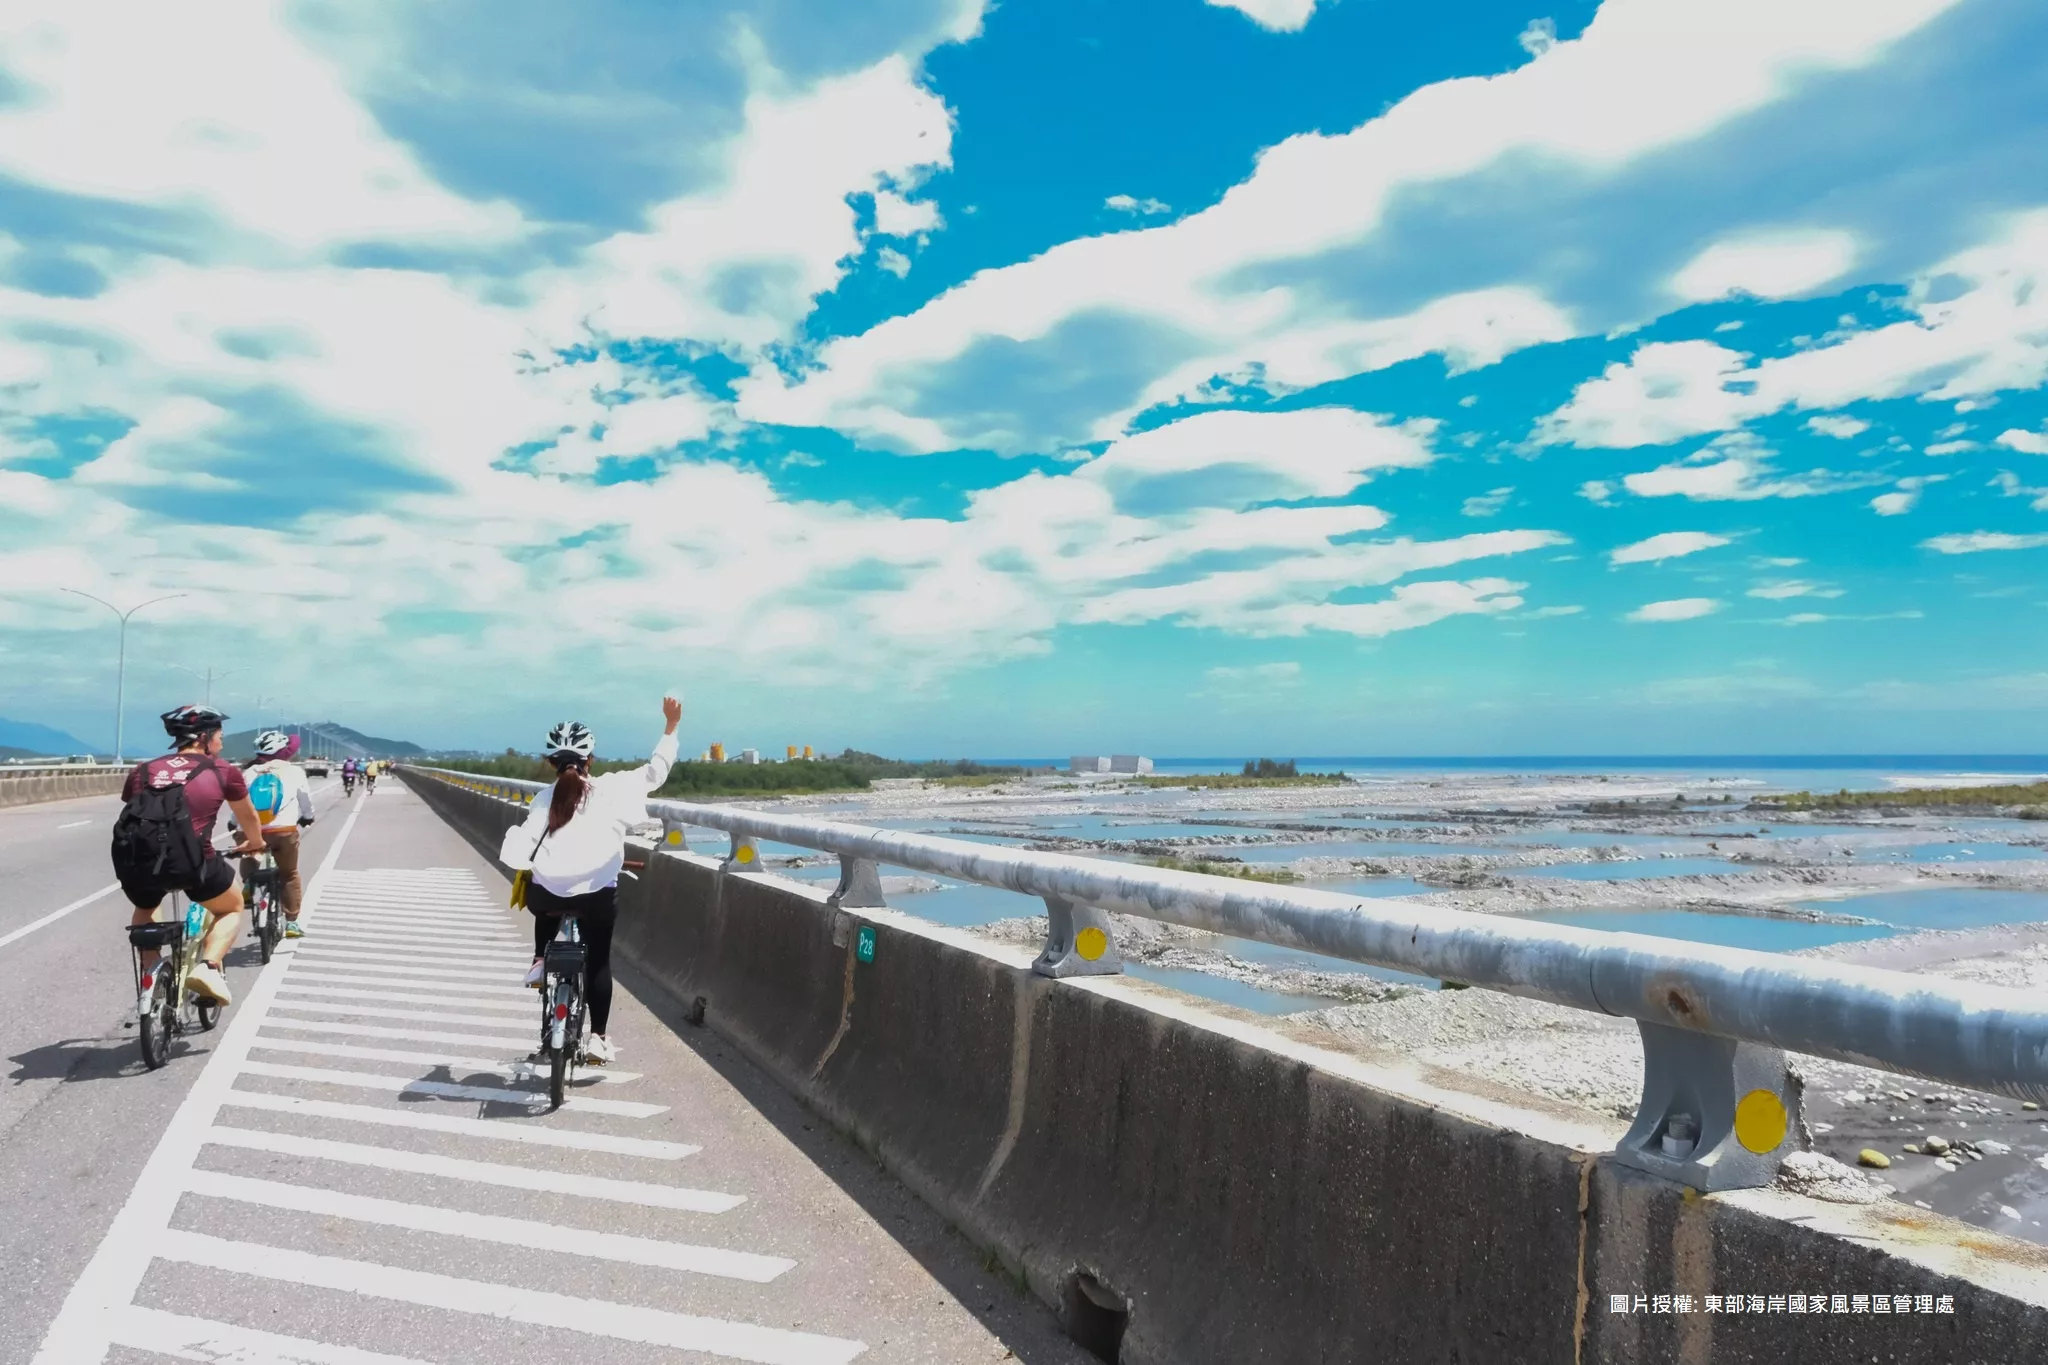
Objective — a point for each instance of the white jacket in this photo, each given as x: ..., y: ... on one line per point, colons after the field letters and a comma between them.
x: 585, y: 855
x: 295, y: 803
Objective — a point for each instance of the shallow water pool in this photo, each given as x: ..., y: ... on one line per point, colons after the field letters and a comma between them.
x: 1943, y: 907
x: 1727, y: 931
x: 1633, y: 868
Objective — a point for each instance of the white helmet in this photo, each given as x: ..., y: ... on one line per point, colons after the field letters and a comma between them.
x: 271, y: 743
x: 571, y: 737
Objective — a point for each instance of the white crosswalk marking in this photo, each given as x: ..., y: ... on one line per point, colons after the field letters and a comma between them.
x: 380, y: 943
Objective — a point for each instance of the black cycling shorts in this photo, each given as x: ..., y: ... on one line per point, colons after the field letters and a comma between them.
x: 216, y: 875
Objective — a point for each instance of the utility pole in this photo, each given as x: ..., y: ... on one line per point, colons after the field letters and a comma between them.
x: 121, y: 658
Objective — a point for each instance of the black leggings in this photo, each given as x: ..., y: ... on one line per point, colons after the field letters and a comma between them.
x: 596, y: 912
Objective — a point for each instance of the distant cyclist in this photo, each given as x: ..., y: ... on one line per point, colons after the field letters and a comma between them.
x: 284, y: 803
x: 574, y: 840
x: 348, y: 777
x: 370, y: 776
x: 163, y: 840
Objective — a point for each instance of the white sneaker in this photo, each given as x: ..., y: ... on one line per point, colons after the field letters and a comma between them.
x: 534, y: 973
x: 598, y: 1050
x: 208, y: 981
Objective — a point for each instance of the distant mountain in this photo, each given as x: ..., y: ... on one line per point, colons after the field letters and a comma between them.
x: 39, y: 741
x: 327, y: 737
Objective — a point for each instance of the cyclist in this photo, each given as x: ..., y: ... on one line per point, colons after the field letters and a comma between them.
x: 163, y: 840
x: 284, y: 803
x: 348, y: 777
x: 574, y: 842
x: 370, y: 776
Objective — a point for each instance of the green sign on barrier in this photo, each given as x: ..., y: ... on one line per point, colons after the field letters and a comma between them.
x: 864, y: 946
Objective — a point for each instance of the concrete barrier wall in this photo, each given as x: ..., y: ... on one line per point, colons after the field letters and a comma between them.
x: 23, y: 790
x: 1255, y: 1199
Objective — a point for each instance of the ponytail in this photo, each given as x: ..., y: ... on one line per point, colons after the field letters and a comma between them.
x: 572, y: 788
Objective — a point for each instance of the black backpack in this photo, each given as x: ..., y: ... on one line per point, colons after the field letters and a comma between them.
x: 153, y: 837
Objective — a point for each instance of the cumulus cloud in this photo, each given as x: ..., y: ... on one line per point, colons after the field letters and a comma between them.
x: 2011, y: 485
x: 1124, y: 203
x: 893, y: 261
x: 1668, y: 545
x: 1976, y: 542
x: 2026, y: 442
x: 1281, y: 16
x: 1677, y: 609
x: 1737, y: 471
x: 1487, y: 504
x: 1841, y: 428
x: 1538, y: 36
x: 1767, y: 266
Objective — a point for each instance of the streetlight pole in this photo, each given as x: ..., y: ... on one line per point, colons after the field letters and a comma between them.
x: 209, y: 677
x: 121, y: 659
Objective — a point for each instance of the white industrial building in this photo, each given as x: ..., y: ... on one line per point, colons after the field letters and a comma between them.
x: 1131, y: 764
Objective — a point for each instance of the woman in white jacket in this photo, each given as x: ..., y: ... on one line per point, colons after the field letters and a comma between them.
x: 574, y: 842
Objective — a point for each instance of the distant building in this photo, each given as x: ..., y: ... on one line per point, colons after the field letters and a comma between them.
x: 1129, y: 763
x: 750, y: 755
x: 718, y: 753
x: 1087, y: 763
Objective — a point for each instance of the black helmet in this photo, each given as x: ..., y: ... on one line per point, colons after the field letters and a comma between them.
x: 189, y: 722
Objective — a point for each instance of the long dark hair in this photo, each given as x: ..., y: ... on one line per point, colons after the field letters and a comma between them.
x: 572, y: 785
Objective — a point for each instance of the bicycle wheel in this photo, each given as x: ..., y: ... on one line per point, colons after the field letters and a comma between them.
x: 273, y: 923
x: 155, y: 1031
x: 208, y: 1012
x: 558, y: 1077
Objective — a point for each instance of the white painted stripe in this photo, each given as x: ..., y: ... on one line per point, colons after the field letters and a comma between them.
x: 419, y: 1016
x: 478, y: 1172
x: 390, y: 899
x: 183, y: 1338
x: 412, y: 1035
x: 511, y: 1068
x: 381, y: 948
x: 444, y: 992
x: 411, y: 919
x: 295, y: 992
x: 540, y: 1308
x: 82, y: 1330
x: 75, y: 824
x: 387, y: 969
x: 552, y: 1238
x: 25, y: 930
x: 408, y: 1085
x: 495, y: 1130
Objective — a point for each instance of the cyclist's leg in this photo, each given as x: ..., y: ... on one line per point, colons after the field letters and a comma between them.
x: 144, y: 914
x: 285, y: 845
x: 220, y: 892
x: 597, y: 913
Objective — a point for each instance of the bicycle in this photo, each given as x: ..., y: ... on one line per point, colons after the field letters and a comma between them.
x: 563, y: 1010
x: 165, y: 1006
x: 262, y: 894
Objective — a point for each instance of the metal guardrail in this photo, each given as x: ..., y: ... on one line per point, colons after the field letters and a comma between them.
x: 58, y: 769
x: 1719, y: 1108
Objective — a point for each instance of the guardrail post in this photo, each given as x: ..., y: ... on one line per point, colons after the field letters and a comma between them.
x: 860, y: 886
x: 1078, y: 941
x: 1716, y: 1114
x: 743, y: 857
x: 674, y: 835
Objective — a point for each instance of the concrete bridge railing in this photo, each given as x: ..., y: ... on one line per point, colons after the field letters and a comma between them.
x: 1185, y: 1185
x: 1718, y: 1110
x: 24, y: 784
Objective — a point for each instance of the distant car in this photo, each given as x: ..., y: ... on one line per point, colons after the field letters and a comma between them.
x: 316, y: 767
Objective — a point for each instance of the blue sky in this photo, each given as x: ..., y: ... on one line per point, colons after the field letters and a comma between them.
x: 1262, y: 376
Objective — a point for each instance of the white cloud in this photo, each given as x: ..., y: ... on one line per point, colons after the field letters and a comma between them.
x: 1974, y: 542
x: 2026, y: 442
x: 1732, y: 471
x: 1678, y: 609
x: 1281, y: 16
x: 1951, y: 447
x: 1980, y: 325
x: 1243, y: 456
x: 1486, y: 504
x: 1538, y: 37
x: 893, y: 261
x: 1124, y: 203
x: 1894, y: 504
x: 1778, y: 592
x: 1841, y: 428
x: 2011, y: 485
x: 896, y: 216
x: 1769, y: 266
x: 1207, y: 295
x: 1668, y: 545
x: 1599, y: 492
x: 1545, y: 613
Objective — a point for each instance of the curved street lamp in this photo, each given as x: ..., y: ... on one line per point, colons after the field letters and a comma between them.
x: 121, y: 665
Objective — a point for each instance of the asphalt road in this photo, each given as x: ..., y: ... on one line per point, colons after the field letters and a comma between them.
x: 351, y: 1171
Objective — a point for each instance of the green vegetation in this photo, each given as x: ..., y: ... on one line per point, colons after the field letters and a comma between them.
x: 2013, y: 794
x: 1266, y: 767
x: 1241, y: 871
x: 849, y: 771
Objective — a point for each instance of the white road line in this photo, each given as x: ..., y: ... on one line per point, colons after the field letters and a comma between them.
x: 82, y: 1331
x: 383, y: 948
x: 439, y: 987
x: 411, y: 1035
x: 411, y: 1085
x: 409, y: 920
x: 621, y: 1322
x: 511, y: 1068
x: 495, y: 1130
x: 75, y: 824
x: 183, y: 1338
x: 387, y: 970
x: 297, y: 992
x: 419, y: 1016
x: 25, y: 930
x: 477, y: 1172
x: 486, y: 1227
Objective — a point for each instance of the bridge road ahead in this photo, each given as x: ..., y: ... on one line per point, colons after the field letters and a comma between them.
x: 349, y: 1171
